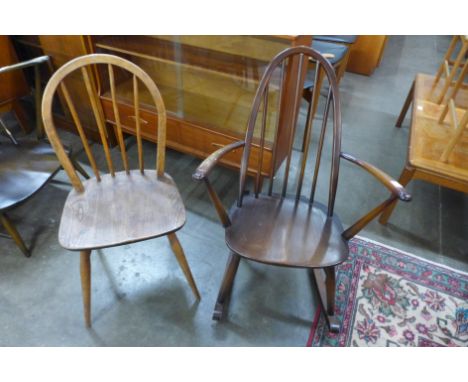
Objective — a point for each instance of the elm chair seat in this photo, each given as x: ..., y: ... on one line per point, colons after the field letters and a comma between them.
x: 115, y: 205
x: 286, y: 232
x: 341, y: 39
x: 24, y: 170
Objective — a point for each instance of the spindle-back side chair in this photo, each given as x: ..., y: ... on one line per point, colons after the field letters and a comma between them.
x: 121, y: 206
x: 280, y: 228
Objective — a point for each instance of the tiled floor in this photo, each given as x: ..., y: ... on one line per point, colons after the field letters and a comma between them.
x: 140, y: 297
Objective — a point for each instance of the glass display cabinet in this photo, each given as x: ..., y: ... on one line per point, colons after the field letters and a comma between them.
x: 207, y: 84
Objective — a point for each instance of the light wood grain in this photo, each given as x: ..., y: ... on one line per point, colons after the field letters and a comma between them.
x: 366, y: 53
x: 431, y: 141
x: 85, y: 273
x: 120, y: 207
x: 428, y: 138
x: 13, y: 232
x: 136, y: 107
x: 117, y: 118
x: 180, y: 256
x: 119, y: 210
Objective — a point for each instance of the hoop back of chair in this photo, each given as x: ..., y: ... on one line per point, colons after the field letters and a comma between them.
x: 298, y: 56
x: 84, y: 64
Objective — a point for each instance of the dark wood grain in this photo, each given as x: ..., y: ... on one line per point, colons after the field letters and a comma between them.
x: 284, y: 230
x: 24, y: 170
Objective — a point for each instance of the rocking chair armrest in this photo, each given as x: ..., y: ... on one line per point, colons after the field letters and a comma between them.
x: 395, y: 188
x: 207, y: 165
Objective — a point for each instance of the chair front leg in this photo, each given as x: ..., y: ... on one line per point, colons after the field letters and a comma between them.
x: 11, y: 229
x: 179, y: 254
x: 226, y: 286
x: 85, y: 272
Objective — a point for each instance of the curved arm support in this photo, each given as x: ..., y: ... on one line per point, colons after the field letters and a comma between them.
x: 397, y: 190
x: 204, y: 169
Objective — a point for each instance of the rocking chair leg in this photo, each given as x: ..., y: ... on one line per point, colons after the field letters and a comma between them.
x: 85, y: 271
x: 327, y: 291
x: 226, y: 286
x: 11, y: 229
x: 179, y: 254
x: 406, y: 105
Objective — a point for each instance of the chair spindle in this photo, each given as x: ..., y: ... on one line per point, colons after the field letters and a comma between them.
x: 117, y: 119
x: 136, y: 105
x: 95, y: 105
x: 448, y: 54
x: 262, y: 143
x: 280, y: 102
x: 79, y: 127
x: 320, y: 146
x: 293, y: 123
x: 308, y: 132
x: 457, y: 87
x: 449, y: 79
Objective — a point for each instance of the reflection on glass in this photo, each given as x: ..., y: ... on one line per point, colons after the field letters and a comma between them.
x: 207, y: 80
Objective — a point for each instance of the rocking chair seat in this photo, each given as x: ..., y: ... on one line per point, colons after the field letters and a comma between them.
x: 286, y: 232
x: 121, y: 209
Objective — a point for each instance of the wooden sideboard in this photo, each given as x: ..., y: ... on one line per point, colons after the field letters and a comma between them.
x: 207, y: 83
x: 366, y: 54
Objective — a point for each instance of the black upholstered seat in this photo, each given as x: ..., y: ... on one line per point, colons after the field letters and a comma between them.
x: 337, y: 50
x: 342, y: 39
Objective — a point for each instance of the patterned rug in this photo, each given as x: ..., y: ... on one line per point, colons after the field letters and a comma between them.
x: 389, y: 298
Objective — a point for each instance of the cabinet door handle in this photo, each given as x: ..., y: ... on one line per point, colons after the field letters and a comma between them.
x: 141, y: 119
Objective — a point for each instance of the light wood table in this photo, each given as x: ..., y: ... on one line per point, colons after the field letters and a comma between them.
x: 428, y: 140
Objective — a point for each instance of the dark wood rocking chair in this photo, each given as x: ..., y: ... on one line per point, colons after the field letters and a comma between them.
x: 122, y: 206
x: 282, y: 229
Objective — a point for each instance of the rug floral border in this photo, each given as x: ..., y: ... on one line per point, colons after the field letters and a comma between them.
x: 364, y: 253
